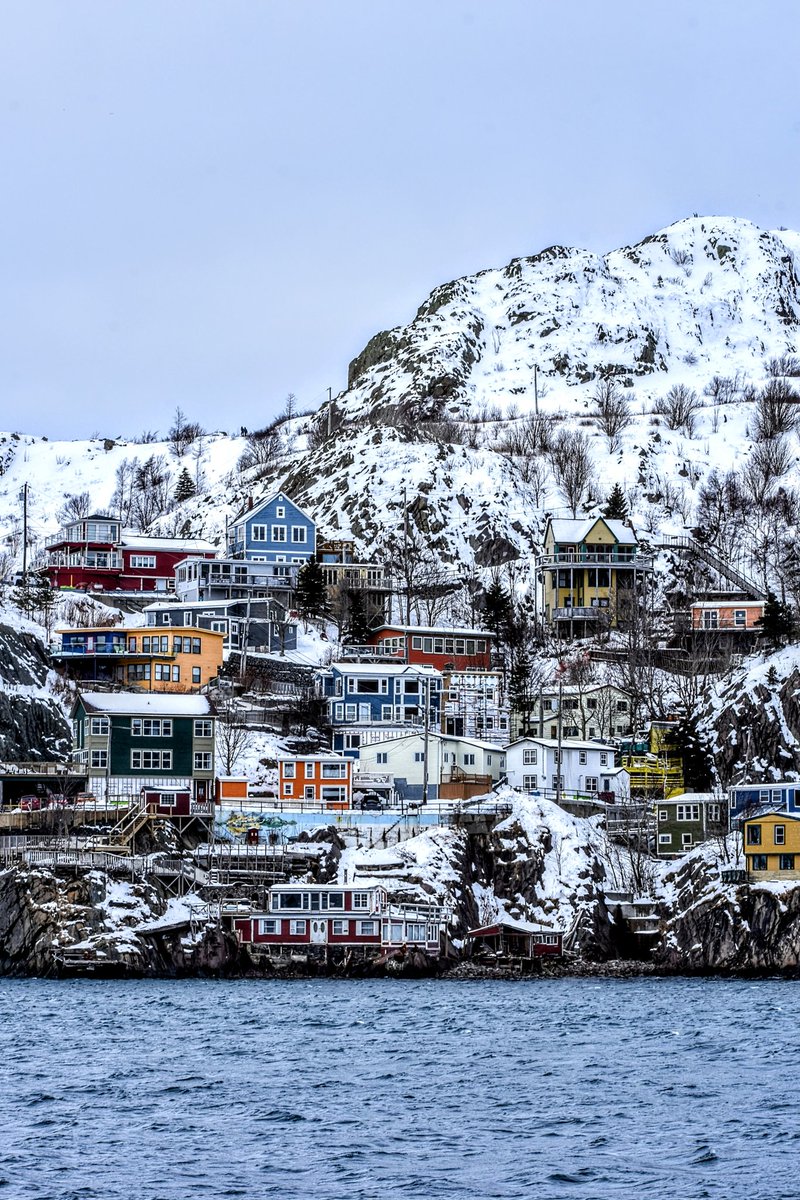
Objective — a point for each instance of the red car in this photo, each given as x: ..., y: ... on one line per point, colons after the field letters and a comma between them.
x: 30, y: 803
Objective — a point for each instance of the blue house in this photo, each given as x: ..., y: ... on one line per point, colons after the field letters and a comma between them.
x: 370, y: 699
x: 276, y: 530
x: 748, y: 798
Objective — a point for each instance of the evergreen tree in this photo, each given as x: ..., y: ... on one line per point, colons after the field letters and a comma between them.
x: 616, y: 507
x: 184, y: 488
x: 358, y: 626
x: 497, y: 610
x: 777, y: 623
x: 311, y: 593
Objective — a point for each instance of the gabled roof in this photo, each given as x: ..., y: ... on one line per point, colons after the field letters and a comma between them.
x: 140, y: 541
x: 569, y: 531
x: 246, y: 513
x: 433, y: 631
x: 145, y: 704
x: 566, y: 744
x: 379, y: 668
x: 514, y: 924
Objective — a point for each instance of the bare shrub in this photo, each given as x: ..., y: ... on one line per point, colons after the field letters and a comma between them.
x: 679, y: 408
x: 75, y: 506
x: 768, y: 463
x: 183, y: 433
x: 612, y: 411
x: 264, y: 446
x: 723, y: 389
x: 783, y: 366
x: 777, y: 411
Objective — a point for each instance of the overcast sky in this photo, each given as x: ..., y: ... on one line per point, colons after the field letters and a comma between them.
x: 212, y: 204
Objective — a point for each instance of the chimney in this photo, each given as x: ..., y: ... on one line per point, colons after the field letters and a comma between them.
x: 249, y: 503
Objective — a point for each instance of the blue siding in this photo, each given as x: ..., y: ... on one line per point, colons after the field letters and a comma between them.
x: 265, y: 534
x: 761, y: 795
x: 397, y: 698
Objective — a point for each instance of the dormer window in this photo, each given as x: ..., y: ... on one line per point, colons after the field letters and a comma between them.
x: 280, y: 511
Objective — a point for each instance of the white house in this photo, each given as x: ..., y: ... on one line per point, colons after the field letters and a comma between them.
x: 599, y: 710
x: 456, y: 767
x: 585, y: 768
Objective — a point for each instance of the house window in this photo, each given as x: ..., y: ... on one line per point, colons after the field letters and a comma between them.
x: 309, y: 770
x: 288, y: 770
x: 287, y: 789
x: 469, y: 760
x: 529, y: 783
x: 279, y: 533
x: 267, y: 926
x: 196, y: 675
x: 591, y: 783
x: 710, y: 619
x: 780, y: 835
x: 151, y: 727
x: 622, y: 706
x: 529, y: 758
x: 759, y: 862
x: 582, y: 758
x: 297, y: 928
x: 308, y: 792
x: 786, y: 862
x: 131, y: 645
x: 415, y: 933
x: 686, y: 839
x: 665, y: 839
x: 739, y: 618
x: 558, y: 781
x: 367, y: 928
x: 340, y: 928
x: 99, y: 759
x: 334, y: 795
x: 98, y: 726
x: 203, y: 729
x: 418, y: 756
x: 280, y: 511
x: 754, y: 835
x: 360, y: 900
x: 548, y: 705
x: 382, y: 757
x: 151, y: 760
x: 202, y: 760
x: 714, y: 812
x: 258, y: 533
x: 351, y: 712
x: 603, y: 758
x: 145, y: 562
x: 687, y: 812
x: 299, y: 534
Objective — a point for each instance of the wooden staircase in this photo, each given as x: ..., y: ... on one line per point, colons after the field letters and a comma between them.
x: 123, y: 833
x: 687, y: 545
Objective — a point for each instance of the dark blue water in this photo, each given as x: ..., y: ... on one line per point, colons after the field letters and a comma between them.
x: 546, y: 1089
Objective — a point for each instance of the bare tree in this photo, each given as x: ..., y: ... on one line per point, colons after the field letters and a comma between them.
x: 611, y: 411
x: 183, y: 433
x: 679, y: 408
x: 768, y: 463
x: 233, y: 739
x: 777, y: 411
x: 572, y: 467
x: 75, y: 507
x: 152, y: 491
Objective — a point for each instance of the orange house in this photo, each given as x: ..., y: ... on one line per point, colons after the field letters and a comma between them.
x: 727, y: 616
x: 145, y: 659
x: 317, y: 779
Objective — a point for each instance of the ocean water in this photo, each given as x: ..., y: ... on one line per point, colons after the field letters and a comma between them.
x: 345, y: 1090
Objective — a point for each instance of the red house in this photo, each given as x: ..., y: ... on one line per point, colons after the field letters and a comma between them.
x: 95, y: 554
x: 516, y: 939
x: 457, y: 649
x: 332, y: 915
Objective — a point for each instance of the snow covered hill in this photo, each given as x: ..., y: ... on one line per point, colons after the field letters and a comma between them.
x: 440, y: 418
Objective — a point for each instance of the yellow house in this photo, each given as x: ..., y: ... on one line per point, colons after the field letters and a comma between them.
x: 772, y: 845
x: 589, y: 571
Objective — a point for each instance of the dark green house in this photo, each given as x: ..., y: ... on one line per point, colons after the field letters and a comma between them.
x: 128, y: 740
x: 684, y: 821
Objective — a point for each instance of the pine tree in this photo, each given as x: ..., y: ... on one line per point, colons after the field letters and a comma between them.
x: 184, y: 488
x: 777, y: 623
x: 616, y: 507
x: 310, y: 593
x: 358, y: 626
x: 497, y: 609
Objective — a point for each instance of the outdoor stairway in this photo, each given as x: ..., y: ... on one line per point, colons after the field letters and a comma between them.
x: 122, y: 834
x: 688, y: 545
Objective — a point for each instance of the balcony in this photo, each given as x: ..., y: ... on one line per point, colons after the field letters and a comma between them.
x: 584, y: 613
x: 639, y: 562
x: 90, y: 561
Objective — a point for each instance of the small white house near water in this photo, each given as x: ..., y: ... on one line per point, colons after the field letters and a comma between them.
x: 456, y: 767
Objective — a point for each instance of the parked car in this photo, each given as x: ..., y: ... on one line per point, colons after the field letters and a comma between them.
x: 30, y: 803
x: 371, y: 803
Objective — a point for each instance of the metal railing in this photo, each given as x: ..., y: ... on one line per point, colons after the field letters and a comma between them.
x: 643, y: 562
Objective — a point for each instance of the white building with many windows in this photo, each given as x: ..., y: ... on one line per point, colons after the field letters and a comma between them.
x: 574, y: 767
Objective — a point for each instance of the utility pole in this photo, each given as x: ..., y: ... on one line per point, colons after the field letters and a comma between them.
x: 559, y: 750
x: 427, y: 683
x: 24, y: 498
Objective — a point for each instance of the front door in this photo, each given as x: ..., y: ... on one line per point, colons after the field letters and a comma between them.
x: 319, y: 932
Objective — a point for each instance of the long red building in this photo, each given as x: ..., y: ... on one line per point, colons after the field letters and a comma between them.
x: 456, y: 649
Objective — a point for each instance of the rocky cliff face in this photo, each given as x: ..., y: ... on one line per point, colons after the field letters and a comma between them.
x: 32, y: 726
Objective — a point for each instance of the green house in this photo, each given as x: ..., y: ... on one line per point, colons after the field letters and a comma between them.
x: 687, y: 820
x: 129, y: 740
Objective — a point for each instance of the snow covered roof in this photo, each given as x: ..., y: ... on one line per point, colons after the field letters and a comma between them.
x: 385, y: 669
x: 434, y: 631
x: 565, y: 744
x: 435, y: 736
x: 252, y: 510
x: 139, y: 541
x: 727, y: 602
x: 137, y: 703
x: 565, y: 530
x: 513, y: 923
